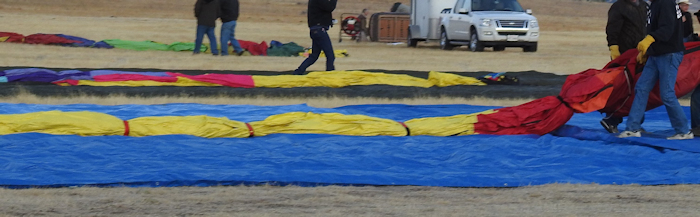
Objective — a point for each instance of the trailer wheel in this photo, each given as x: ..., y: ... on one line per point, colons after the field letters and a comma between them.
x: 444, y: 41
x: 410, y: 41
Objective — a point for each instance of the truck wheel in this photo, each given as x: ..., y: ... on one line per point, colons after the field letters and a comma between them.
x: 474, y: 44
x: 530, y: 48
x: 499, y: 48
x: 411, y: 42
x: 444, y: 41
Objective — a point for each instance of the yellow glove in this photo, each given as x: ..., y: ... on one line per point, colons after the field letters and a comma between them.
x: 641, y: 59
x: 643, y: 46
x: 614, y: 52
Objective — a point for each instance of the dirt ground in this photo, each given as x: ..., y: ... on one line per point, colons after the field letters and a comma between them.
x: 572, y: 40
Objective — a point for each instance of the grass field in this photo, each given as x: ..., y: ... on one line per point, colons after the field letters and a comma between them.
x: 572, y: 40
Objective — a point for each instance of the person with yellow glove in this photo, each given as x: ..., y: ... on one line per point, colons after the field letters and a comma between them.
x: 626, y: 26
x: 663, y: 50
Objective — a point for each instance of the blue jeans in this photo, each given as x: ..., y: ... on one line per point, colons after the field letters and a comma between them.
x: 201, y: 30
x: 664, y: 69
x: 695, y: 108
x: 228, y: 33
x: 320, y: 42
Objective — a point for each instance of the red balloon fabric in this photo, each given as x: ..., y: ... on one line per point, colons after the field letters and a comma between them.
x: 609, y: 90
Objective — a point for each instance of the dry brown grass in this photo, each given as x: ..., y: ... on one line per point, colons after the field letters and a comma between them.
x: 572, y: 41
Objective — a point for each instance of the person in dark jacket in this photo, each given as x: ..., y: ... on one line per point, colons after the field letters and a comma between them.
x: 361, y: 25
x: 320, y: 19
x: 229, y: 18
x: 207, y: 12
x: 687, y: 20
x: 662, y: 51
x: 625, y: 28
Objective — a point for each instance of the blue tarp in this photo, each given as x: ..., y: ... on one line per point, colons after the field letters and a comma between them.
x: 580, y: 152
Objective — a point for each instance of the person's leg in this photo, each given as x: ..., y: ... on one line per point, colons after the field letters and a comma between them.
x: 327, y: 47
x: 645, y: 83
x: 236, y: 46
x: 668, y: 71
x: 225, y: 37
x: 315, y: 53
x: 198, y: 40
x: 610, y: 124
x: 695, y: 108
x: 212, y: 40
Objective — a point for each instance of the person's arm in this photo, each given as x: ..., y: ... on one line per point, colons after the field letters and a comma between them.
x: 328, y: 5
x: 614, y: 26
x: 666, y: 21
x: 197, y: 8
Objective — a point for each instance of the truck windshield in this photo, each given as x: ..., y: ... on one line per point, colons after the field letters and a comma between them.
x: 496, y: 5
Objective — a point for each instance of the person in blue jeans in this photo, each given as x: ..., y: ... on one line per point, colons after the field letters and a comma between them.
x: 229, y: 17
x: 320, y: 19
x: 662, y: 49
x: 206, y: 11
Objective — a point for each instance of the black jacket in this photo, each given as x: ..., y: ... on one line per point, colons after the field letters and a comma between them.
x: 666, y: 26
x: 207, y: 11
x: 626, y: 24
x: 229, y: 10
x: 688, y: 24
x: 320, y: 12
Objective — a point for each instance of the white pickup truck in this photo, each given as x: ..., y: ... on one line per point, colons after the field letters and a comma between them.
x: 478, y: 24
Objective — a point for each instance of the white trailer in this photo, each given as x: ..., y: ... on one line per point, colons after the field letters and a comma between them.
x: 425, y: 20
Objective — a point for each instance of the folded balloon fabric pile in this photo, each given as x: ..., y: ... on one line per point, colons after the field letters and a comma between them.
x: 314, y: 79
x: 86, y: 123
x: 275, y: 48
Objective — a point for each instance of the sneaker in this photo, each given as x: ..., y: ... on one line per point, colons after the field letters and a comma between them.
x: 239, y: 53
x: 683, y: 136
x: 628, y: 133
x: 609, y: 127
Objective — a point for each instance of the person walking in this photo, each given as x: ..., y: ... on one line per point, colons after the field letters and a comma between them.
x: 320, y: 19
x: 625, y: 28
x: 229, y: 18
x: 206, y: 12
x: 662, y: 50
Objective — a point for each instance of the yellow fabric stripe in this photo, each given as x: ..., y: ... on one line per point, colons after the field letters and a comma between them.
x: 181, y: 82
x: 201, y: 126
x: 327, y: 123
x: 62, y: 123
x: 339, y: 79
x: 445, y: 126
x: 441, y: 79
x: 3, y: 39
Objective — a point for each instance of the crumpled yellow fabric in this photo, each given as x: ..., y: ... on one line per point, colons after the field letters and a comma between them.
x: 82, y: 123
x: 3, y: 39
x: 181, y: 82
x: 327, y: 123
x: 338, y: 53
x: 339, y: 79
x: 442, y: 79
x: 458, y: 125
x: 201, y: 126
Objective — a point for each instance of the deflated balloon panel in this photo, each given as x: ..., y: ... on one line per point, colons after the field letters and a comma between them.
x: 580, y: 152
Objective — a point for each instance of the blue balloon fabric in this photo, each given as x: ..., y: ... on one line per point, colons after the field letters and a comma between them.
x: 580, y: 152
